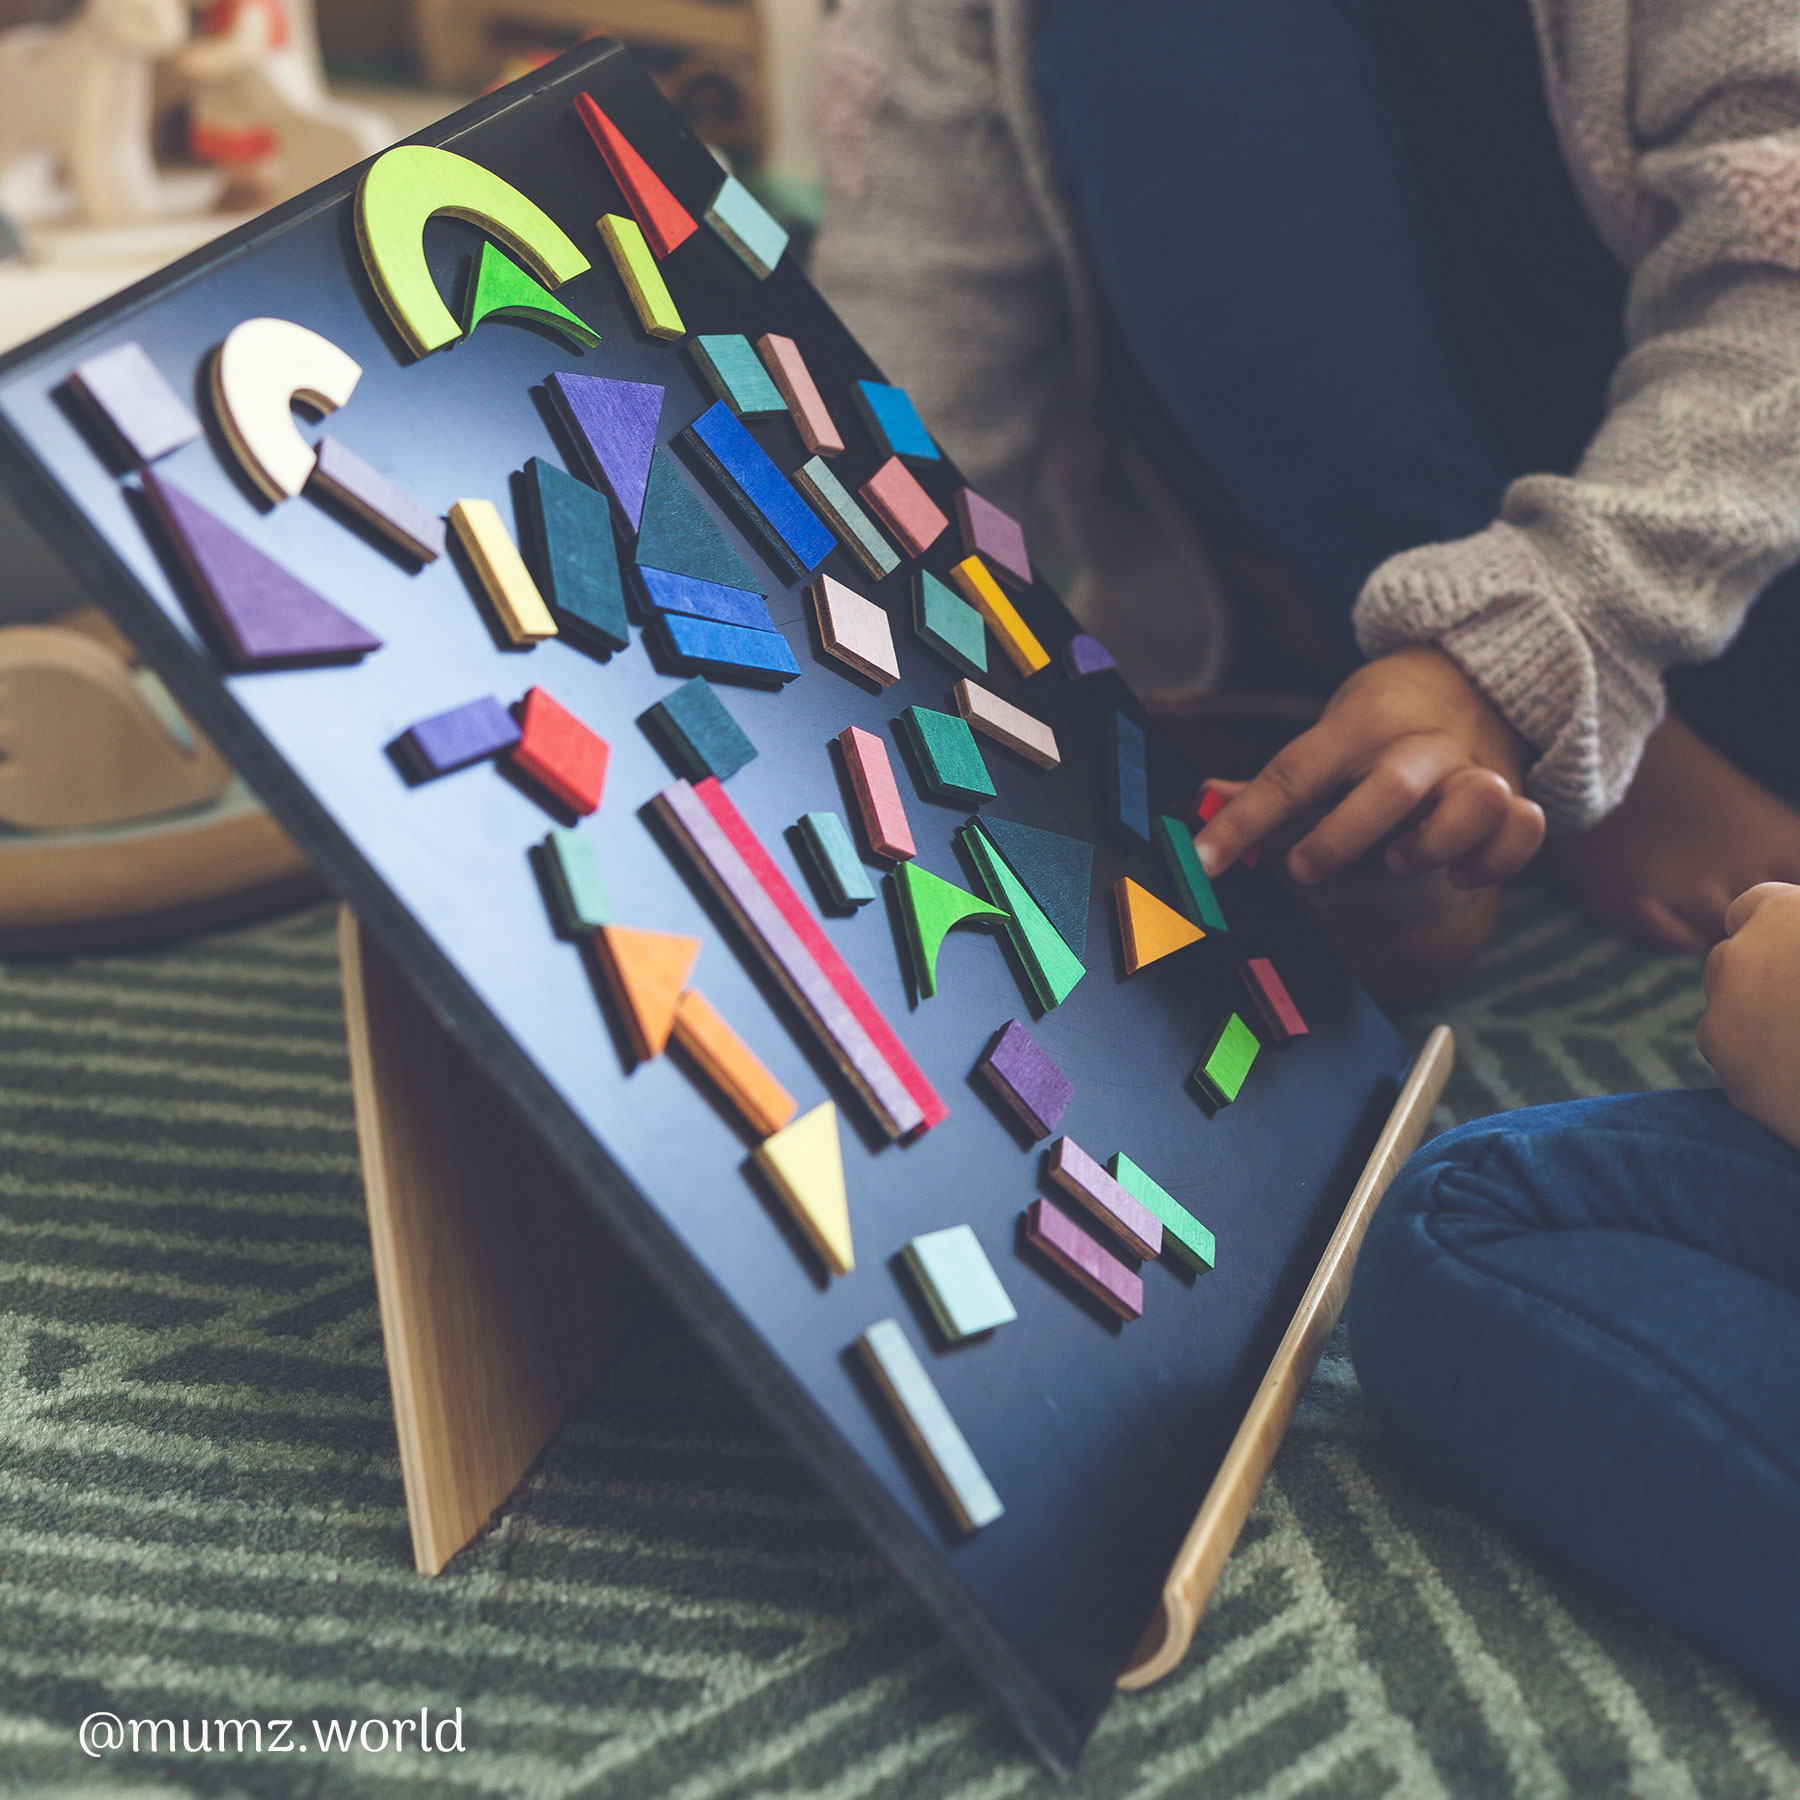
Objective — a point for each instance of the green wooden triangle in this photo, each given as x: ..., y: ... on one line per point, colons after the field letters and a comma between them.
x: 499, y: 288
x: 677, y: 533
x: 1058, y: 873
x: 1051, y: 966
x: 930, y: 907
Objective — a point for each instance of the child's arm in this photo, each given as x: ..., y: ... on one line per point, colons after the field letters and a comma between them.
x: 1412, y: 739
x: 1750, y: 1031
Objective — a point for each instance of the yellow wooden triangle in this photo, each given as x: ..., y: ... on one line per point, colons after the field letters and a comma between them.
x: 646, y: 971
x: 806, y: 1165
x: 1151, y: 930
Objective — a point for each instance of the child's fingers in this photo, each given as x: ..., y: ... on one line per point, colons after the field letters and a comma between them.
x: 1402, y: 778
x: 1513, y: 844
x: 1739, y: 913
x: 1467, y: 809
x: 1297, y: 776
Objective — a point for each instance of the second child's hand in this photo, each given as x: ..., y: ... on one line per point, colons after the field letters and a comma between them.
x: 1411, y: 745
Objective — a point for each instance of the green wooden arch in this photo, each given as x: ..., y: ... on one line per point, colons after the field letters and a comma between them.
x: 411, y: 184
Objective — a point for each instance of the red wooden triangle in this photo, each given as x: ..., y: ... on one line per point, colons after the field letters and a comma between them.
x: 665, y: 221
x: 267, y: 618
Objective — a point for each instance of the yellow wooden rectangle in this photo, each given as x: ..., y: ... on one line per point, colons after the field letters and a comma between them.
x: 502, y: 572
x: 650, y: 298
x: 978, y: 586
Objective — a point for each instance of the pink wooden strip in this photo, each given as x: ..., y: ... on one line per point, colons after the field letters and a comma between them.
x: 812, y: 418
x: 1089, y: 1185
x: 1056, y: 1236
x: 877, y: 794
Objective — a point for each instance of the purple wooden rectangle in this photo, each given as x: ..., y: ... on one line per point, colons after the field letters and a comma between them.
x: 464, y: 734
x: 1089, y: 1185
x: 1027, y: 1080
x: 128, y: 391
x: 1055, y: 1235
x: 368, y: 493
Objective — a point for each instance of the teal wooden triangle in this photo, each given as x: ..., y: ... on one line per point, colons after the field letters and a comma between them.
x: 1056, y: 871
x: 499, y: 288
x: 677, y: 533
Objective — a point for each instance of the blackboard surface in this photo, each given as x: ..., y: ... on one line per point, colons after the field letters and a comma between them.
x: 1101, y: 1439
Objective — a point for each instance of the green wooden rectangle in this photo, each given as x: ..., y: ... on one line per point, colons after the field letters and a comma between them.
x: 1183, y: 1235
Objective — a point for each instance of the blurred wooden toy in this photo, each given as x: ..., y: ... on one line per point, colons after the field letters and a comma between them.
x: 76, y: 118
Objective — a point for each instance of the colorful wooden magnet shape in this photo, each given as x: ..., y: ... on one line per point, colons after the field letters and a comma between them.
x: 1059, y: 1240
x: 947, y: 626
x: 735, y: 373
x: 341, y: 475
x: 1128, y: 780
x: 265, y: 618
x: 812, y: 418
x: 958, y: 1283
x: 500, y: 289
x: 128, y: 394
x: 804, y: 1162
x: 994, y: 536
x: 1084, y: 656
x: 560, y: 753
x: 1050, y: 966
x: 1009, y: 726
x: 613, y: 424
x: 571, y: 535
x: 757, y: 1098
x: 1016, y: 1067
x: 854, y: 631
x: 1148, y: 929
x: 455, y: 739
x: 1108, y: 1204
x: 930, y: 908
x: 948, y: 757
x: 894, y: 422
x: 403, y: 188
x: 677, y: 533
x: 1057, y: 871
x: 664, y: 221
x: 932, y: 1432
x: 261, y: 370
x: 646, y: 972
x: 1192, y: 888
x: 833, y: 856
x: 1221, y: 1072
x: 1280, y: 1016
x: 577, y: 882
x: 833, y: 502
x: 666, y: 592
x: 511, y: 594
x: 877, y: 794
x: 797, y: 953
x: 768, y: 502
x: 1184, y: 1237
x: 1016, y: 638
x: 700, y: 736
x: 910, y: 514
x: 746, y: 229
x: 657, y: 314
x: 1207, y: 806
x: 727, y: 652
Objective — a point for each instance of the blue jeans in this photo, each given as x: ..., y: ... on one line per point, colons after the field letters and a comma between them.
x: 1352, y: 291
x: 1586, y: 1319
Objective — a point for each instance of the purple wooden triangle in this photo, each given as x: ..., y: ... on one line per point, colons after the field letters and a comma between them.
x: 614, y: 426
x: 268, y: 619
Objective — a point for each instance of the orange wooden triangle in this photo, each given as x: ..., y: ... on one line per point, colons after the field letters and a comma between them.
x: 646, y: 971
x: 1149, y: 929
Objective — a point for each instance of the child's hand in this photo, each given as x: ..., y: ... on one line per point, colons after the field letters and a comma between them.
x: 1417, y: 744
x: 1750, y: 1032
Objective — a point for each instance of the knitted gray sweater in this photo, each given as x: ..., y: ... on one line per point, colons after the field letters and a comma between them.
x: 948, y: 249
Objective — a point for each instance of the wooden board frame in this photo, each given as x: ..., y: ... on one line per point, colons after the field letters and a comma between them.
x: 498, y: 1316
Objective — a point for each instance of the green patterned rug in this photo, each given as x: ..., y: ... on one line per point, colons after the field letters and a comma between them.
x: 200, y: 1508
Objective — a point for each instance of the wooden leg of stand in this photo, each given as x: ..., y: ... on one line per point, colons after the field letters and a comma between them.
x: 1221, y: 1516
x: 500, y: 1295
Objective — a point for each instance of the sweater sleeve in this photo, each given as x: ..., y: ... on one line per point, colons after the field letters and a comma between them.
x: 1567, y: 610
x: 932, y: 249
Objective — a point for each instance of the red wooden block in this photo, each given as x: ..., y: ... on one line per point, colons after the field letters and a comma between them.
x: 665, y: 221
x: 910, y: 514
x: 1054, y: 1235
x: 1272, y: 999
x: 877, y: 794
x: 559, y: 753
x: 1208, y: 804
